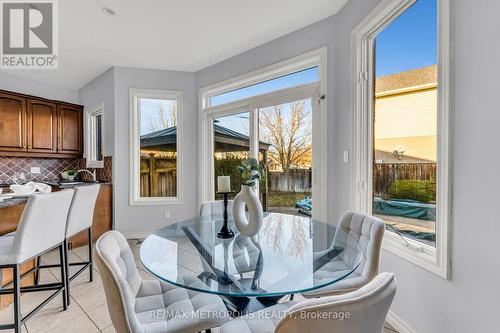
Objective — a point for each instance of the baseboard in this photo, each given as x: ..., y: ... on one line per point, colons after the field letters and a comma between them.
x: 399, y: 324
x: 137, y: 235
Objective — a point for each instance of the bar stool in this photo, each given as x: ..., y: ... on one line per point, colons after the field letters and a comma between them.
x: 41, y: 228
x: 80, y: 217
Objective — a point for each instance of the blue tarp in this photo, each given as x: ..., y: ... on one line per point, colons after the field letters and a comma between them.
x: 304, y: 206
x: 405, y: 208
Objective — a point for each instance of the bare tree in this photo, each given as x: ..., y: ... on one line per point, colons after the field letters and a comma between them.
x: 164, y: 119
x: 290, y: 134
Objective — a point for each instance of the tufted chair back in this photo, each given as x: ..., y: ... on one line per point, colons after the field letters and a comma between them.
x: 216, y: 208
x: 121, y: 280
x: 368, y: 232
x: 366, y: 309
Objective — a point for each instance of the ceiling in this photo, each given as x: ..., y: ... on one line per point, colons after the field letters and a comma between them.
x: 183, y: 35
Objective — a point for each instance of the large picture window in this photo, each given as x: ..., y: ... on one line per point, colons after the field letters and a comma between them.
x: 155, y: 133
x: 402, y: 135
x: 278, y: 116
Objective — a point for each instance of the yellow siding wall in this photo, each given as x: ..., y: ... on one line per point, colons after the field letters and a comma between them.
x: 408, y: 121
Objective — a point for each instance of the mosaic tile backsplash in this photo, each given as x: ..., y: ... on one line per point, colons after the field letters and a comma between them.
x: 50, y: 168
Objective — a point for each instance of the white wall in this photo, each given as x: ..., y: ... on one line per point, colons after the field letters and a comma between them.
x: 36, y: 88
x: 101, y: 91
x: 132, y: 219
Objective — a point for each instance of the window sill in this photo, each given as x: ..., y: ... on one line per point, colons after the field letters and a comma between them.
x: 417, y: 253
x: 95, y: 164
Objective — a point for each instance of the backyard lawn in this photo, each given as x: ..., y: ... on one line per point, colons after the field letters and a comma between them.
x: 285, y: 199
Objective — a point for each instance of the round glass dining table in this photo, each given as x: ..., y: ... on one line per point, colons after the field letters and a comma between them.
x: 290, y: 254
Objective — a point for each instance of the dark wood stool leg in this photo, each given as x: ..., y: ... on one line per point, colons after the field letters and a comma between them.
x: 37, y: 272
x: 17, y: 297
x: 64, y: 273
x: 91, y: 273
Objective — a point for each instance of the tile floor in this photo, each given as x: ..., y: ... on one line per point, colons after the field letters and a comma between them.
x: 87, y: 312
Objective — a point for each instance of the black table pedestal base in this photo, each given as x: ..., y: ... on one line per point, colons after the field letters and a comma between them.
x: 239, y: 306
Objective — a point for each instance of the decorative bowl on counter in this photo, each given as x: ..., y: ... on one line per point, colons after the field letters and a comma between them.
x: 23, y: 189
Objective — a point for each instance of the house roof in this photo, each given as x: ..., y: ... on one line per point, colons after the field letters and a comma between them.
x: 168, y: 136
x: 408, y: 79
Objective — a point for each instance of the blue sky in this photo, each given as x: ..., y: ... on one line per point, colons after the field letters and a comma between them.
x: 150, y: 113
x: 409, y: 41
x: 306, y: 76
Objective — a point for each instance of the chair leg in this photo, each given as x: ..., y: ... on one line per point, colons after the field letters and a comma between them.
x: 17, y: 298
x: 37, y: 272
x: 91, y: 274
x: 64, y: 273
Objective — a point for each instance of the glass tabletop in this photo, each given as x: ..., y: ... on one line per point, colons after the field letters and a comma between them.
x: 290, y: 254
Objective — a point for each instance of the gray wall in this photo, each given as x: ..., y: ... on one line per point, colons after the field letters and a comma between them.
x: 147, y: 218
x: 39, y: 89
x: 99, y: 91
x: 469, y: 301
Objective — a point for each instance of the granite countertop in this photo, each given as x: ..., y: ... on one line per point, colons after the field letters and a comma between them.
x: 60, y: 185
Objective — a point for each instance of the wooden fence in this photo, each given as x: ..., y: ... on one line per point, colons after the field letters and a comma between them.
x: 158, y: 176
x: 385, y: 173
x: 295, y: 180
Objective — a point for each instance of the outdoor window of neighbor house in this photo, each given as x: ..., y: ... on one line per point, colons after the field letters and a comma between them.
x: 155, y: 146
x: 95, y: 149
x: 405, y: 123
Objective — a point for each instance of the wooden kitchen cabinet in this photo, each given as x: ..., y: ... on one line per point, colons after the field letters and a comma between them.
x: 42, y: 126
x: 70, y: 129
x: 12, y: 123
x: 36, y: 127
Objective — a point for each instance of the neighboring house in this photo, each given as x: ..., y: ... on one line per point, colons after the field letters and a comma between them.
x: 405, y: 116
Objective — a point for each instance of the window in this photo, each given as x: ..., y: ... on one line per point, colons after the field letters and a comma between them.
x: 309, y: 75
x: 402, y: 131
x: 155, y: 141
x: 275, y: 115
x: 95, y: 148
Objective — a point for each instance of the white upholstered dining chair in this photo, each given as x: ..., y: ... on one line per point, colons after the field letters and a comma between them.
x: 136, y: 305
x: 360, y: 311
x: 216, y: 208
x: 368, y: 232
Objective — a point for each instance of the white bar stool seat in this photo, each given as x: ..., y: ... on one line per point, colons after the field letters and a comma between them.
x: 41, y: 228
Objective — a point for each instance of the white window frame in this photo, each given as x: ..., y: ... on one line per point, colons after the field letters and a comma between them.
x: 207, y: 114
x: 135, y: 96
x: 91, y: 136
x: 436, y: 260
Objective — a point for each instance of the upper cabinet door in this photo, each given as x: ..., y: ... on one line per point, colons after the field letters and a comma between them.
x: 12, y: 123
x: 42, y: 126
x: 70, y: 139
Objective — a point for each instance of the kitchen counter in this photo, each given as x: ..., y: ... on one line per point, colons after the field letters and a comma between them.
x: 55, y: 186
